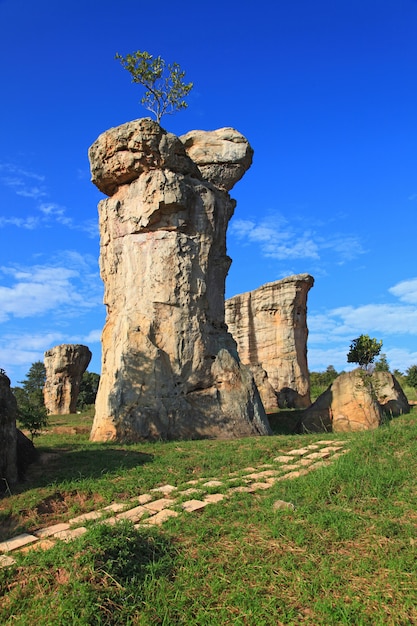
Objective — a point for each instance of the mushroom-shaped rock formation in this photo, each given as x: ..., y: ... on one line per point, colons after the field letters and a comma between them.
x: 170, y: 369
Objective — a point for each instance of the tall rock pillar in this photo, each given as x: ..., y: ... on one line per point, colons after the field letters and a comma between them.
x: 169, y: 367
x: 269, y: 325
x: 64, y: 366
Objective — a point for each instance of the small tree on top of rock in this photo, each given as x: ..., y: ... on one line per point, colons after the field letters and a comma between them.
x: 363, y: 351
x: 382, y: 364
x: 165, y: 87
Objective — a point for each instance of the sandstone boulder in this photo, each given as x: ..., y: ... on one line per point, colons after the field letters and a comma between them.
x: 169, y: 367
x: 222, y: 156
x: 349, y: 404
x: 269, y: 325
x: 65, y: 366
x: 8, y: 434
x: 389, y: 394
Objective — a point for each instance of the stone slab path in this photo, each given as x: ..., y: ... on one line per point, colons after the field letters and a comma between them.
x: 166, y: 501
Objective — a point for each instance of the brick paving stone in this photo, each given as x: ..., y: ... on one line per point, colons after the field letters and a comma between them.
x: 164, y: 489
x: 283, y: 459
x: 249, y: 469
x: 241, y: 489
x: 159, y: 518
x: 305, y: 461
x: 6, y: 561
x: 290, y: 466
x: 17, y: 542
x: 192, y: 482
x: 332, y: 449
x: 134, y: 515
x: 318, y: 455
x: 261, y: 486
x: 85, y: 517
x: 318, y: 464
x: 264, y: 474
x: 212, y: 498
x: 69, y: 535
x: 42, y: 544
x: 213, y: 483
x: 159, y: 505
x: 312, y: 446
x: 115, y: 507
x: 51, y: 530
x: 144, y: 498
x: 291, y: 475
x: 194, y: 505
x: 190, y: 491
x: 298, y: 452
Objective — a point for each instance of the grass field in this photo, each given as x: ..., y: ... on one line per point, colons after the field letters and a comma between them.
x: 346, y: 553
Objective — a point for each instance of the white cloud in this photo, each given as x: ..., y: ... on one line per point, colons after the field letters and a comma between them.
x: 406, y: 291
x: 64, y: 287
x: 280, y: 240
x: 21, y: 181
x: 51, y: 213
x: 94, y: 336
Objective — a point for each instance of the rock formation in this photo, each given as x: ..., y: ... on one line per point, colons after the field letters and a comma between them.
x: 169, y: 367
x: 269, y: 325
x: 8, y: 434
x: 349, y: 404
x: 356, y: 401
x: 65, y: 366
x: 390, y: 396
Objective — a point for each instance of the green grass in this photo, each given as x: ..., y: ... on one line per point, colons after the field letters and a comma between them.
x: 346, y: 554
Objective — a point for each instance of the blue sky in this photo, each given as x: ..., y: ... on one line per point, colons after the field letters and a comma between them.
x: 324, y: 91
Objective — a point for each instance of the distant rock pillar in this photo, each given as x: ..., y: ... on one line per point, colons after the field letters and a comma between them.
x: 65, y: 366
x: 8, y: 434
x: 169, y: 367
x: 269, y: 325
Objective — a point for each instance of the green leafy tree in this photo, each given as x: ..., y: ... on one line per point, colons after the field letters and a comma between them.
x: 320, y: 381
x: 164, y: 84
x: 32, y: 414
x: 88, y: 390
x: 363, y: 351
x: 382, y: 364
x: 412, y: 376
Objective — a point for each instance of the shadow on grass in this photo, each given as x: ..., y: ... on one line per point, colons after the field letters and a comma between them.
x: 70, y: 462
x: 286, y: 421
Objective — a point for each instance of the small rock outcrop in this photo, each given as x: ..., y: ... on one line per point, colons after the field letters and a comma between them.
x: 349, y: 404
x: 389, y: 393
x: 169, y: 367
x: 65, y: 366
x: 356, y: 401
x: 269, y: 325
x: 8, y: 434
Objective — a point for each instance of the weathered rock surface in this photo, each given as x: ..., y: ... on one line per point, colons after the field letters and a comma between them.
x: 8, y: 434
x: 169, y: 367
x: 269, y: 325
x: 349, y: 404
x: 356, y: 401
x: 65, y: 366
x: 389, y: 394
